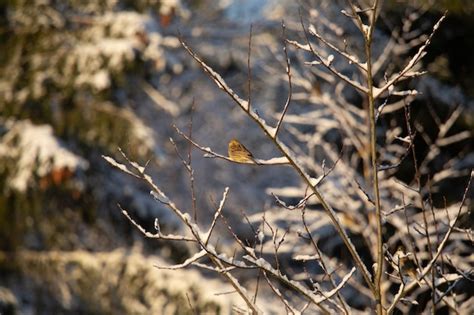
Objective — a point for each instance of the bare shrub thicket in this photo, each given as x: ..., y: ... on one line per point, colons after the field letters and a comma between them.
x: 353, y: 236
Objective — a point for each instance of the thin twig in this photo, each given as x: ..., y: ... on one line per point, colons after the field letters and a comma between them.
x: 249, y: 69
x: 327, y: 62
x: 157, y: 235
x: 193, y: 310
x: 321, y: 260
x: 281, y: 297
x: 440, y: 249
x: 422, y: 204
x: 413, y: 61
x: 290, y: 88
x: 296, y: 285
x: 186, y: 263
x: 217, y: 214
x: 190, y: 161
x: 350, y: 58
x: 190, y: 170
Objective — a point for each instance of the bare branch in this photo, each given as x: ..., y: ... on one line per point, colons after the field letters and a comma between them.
x: 280, y: 296
x: 120, y: 166
x: 413, y: 61
x: 190, y: 168
x: 191, y: 307
x: 296, y: 285
x: 300, y: 204
x: 440, y: 249
x: 402, y: 158
x: 157, y: 235
x: 290, y: 88
x: 326, y: 62
x: 350, y: 58
x: 217, y: 78
x: 216, y: 215
x: 249, y: 70
x: 366, y: 194
x: 186, y: 263
x: 322, y: 262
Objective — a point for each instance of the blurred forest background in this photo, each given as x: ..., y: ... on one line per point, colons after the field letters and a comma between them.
x: 78, y: 79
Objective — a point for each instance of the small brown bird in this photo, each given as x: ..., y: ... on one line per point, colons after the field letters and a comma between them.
x: 239, y: 153
x: 406, y: 264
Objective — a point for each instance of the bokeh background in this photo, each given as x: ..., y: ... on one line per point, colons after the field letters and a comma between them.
x: 79, y: 79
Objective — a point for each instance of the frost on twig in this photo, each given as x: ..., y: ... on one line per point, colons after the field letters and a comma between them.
x: 158, y: 234
x: 290, y: 86
x: 315, y: 298
x: 216, y: 215
x: 413, y: 61
x: 411, y: 285
x: 209, y: 153
x: 218, y: 259
x: 186, y: 263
